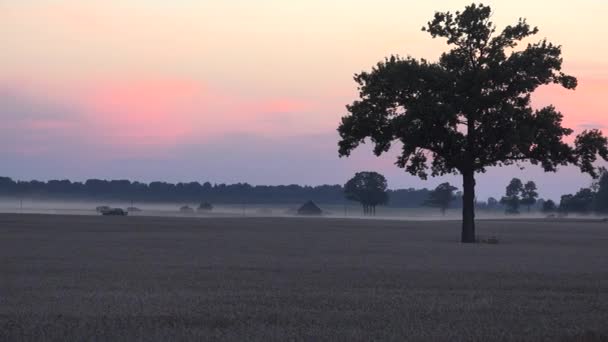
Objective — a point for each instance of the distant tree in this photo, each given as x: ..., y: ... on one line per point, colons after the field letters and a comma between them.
x: 601, y: 195
x: 471, y: 109
x: 441, y: 197
x: 549, y: 207
x: 367, y: 188
x: 492, y: 203
x: 529, y: 194
x: 511, y: 199
x: 581, y: 202
x: 205, y: 206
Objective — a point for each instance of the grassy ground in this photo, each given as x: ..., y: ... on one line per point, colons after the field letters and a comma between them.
x: 92, y: 278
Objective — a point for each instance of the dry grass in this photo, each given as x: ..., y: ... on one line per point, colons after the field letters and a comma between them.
x: 91, y: 278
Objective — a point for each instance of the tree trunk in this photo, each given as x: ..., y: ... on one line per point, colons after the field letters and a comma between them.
x: 468, y: 208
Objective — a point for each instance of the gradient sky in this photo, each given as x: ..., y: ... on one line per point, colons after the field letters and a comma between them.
x: 241, y: 90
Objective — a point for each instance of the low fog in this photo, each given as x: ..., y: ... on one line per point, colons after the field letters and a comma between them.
x: 350, y: 210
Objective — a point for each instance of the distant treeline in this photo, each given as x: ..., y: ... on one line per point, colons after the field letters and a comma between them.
x: 239, y: 193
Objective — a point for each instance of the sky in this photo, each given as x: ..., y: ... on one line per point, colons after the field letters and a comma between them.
x: 243, y: 90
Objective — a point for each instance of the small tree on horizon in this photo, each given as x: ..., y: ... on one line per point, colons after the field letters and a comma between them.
x: 549, y: 207
x: 529, y: 194
x: 441, y: 197
x: 471, y: 108
x: 205, y: 206
x: 369, y: 189
x: 511, y: 199
x: 492, y: 203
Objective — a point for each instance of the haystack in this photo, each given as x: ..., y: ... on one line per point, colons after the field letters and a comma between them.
x: 310, y: 208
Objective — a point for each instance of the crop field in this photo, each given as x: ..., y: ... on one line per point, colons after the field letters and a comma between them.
x: 93, y: 278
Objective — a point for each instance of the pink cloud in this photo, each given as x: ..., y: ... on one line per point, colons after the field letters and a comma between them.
x: 141, y: 113
x: 154, y: 116
x: 151, y: 117
x: 580, y: 107
x: 48, y: 125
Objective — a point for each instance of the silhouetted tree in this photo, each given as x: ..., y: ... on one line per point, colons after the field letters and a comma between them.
x: 441, y: 197
x: 529, y: 194
x: 492, y: 203
x: 511, y: 199
x: 367, y: 188
x: 581, y: 202
x: 471, y: 109
x: 205, y: 206
x: 549, y: 207
x: 601, y: 195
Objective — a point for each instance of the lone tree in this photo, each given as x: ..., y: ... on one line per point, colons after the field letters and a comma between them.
x: 441, y: 197
x: 469, y: 110
x: 511, y: 199
x: 529, y: 194
x: 367, y: 188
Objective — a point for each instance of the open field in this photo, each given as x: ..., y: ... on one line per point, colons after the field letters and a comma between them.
x: 257, y: 279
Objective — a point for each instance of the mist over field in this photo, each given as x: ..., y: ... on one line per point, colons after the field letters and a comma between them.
x: 348, y: 210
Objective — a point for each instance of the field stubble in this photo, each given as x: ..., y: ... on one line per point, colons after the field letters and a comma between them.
x: 152, y: 278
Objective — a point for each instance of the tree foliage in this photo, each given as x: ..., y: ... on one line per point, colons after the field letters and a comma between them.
x: 192, y: 192
x: 367, y: 188
x: 441, y: 197
x: 549, y: 206
x: 470, y: 109
x: 529, y: 194
x: 581, y: 202
x: 492, y: 203
x: 511, y: 200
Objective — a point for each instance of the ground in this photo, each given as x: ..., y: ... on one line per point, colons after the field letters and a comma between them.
x: 99, y: 278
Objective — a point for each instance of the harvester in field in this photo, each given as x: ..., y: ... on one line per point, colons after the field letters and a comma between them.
x: 102, y: 208
x: 114, y: 212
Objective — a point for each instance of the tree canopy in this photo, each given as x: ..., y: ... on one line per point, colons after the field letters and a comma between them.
x: 367, y: 188
x: 601, y: 196
x: 529, y: 194
x: 581, y: 202
x: 511, y: 200
x: 470, y: 109
x: 549, y: 206
x: 441, y: 197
